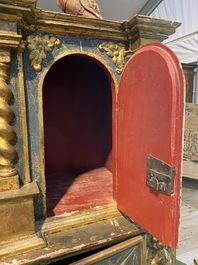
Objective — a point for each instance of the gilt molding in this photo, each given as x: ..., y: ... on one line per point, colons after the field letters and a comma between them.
x: 137, y: 31
x: 143, y: 29
x: 9, y: 38
x: 38, y: 46
x: 23, y: 4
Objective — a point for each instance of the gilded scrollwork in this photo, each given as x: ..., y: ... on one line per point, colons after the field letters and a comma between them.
x: 118, y: 53
x: 191, y: 144
x: 7, y: 134
x: 161, y: 256
x: 38, y: 45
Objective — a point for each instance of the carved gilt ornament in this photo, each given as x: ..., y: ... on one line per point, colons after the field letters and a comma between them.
x: 118, y: 53
x: 161, y: 256
x: 38, y: 45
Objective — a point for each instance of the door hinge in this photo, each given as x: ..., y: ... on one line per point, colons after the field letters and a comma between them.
x: 160, y: 176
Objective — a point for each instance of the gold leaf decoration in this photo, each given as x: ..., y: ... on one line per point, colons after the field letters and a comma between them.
x: 38, y: 45
x: 7, y: 134
x: 118, y: 53
x: 161, y: 257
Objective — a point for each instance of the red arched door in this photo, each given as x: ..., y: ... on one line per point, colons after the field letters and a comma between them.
x: 150, y: 117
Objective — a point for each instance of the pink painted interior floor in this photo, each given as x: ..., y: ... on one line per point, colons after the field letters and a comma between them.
x: 73, y: 192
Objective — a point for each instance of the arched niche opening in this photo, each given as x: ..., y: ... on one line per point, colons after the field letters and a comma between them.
x: 77, y: 111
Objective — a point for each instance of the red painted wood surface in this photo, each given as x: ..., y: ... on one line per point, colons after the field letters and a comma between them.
x: 74, y: 192
x: 150, y: 107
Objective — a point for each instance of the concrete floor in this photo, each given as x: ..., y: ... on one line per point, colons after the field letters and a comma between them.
x: 188, y: 237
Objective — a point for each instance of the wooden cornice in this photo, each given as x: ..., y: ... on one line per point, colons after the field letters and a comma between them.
x: 137, y: 31
x: 23, y: 4
x: 143, y: 29
x: 59, y: 23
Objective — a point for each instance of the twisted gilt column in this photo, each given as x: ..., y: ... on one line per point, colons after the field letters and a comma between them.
x: 8, y: 173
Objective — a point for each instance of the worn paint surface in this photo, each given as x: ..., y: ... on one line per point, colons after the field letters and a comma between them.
x: 150, y: 123
x: 81, y: 239
x: 79, y: 36
x: 17, y: 205
x: 33, y: 87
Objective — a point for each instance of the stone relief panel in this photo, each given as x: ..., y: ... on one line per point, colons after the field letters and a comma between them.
x: 191, y: 132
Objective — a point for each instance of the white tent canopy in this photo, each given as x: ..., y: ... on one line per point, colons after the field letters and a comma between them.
x: 184, y: 11
x: 186, y: 48
x: 185, y: 41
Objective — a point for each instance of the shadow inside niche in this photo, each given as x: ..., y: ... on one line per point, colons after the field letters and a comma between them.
x: 77, y: 110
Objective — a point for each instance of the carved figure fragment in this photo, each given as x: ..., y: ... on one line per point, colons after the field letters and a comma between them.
x: 85, y: 8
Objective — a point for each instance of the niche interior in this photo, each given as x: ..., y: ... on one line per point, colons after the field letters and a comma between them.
x: 77, y: 113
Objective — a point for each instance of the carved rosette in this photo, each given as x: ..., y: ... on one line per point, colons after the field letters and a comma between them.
x: 118, y: 53
x: 7, y: 134
x: 38, y: 45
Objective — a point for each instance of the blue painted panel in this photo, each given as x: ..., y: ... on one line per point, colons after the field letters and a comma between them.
x: 32, y: 80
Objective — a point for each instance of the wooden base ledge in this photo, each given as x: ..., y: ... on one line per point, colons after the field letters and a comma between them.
x: 74, y: 240
x: 79, y: 218
x: 21, y: 245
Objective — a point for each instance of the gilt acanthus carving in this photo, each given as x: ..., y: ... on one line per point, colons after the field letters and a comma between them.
x: 38, y: 45
x: 7, y: 134
x: 118, y: 53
